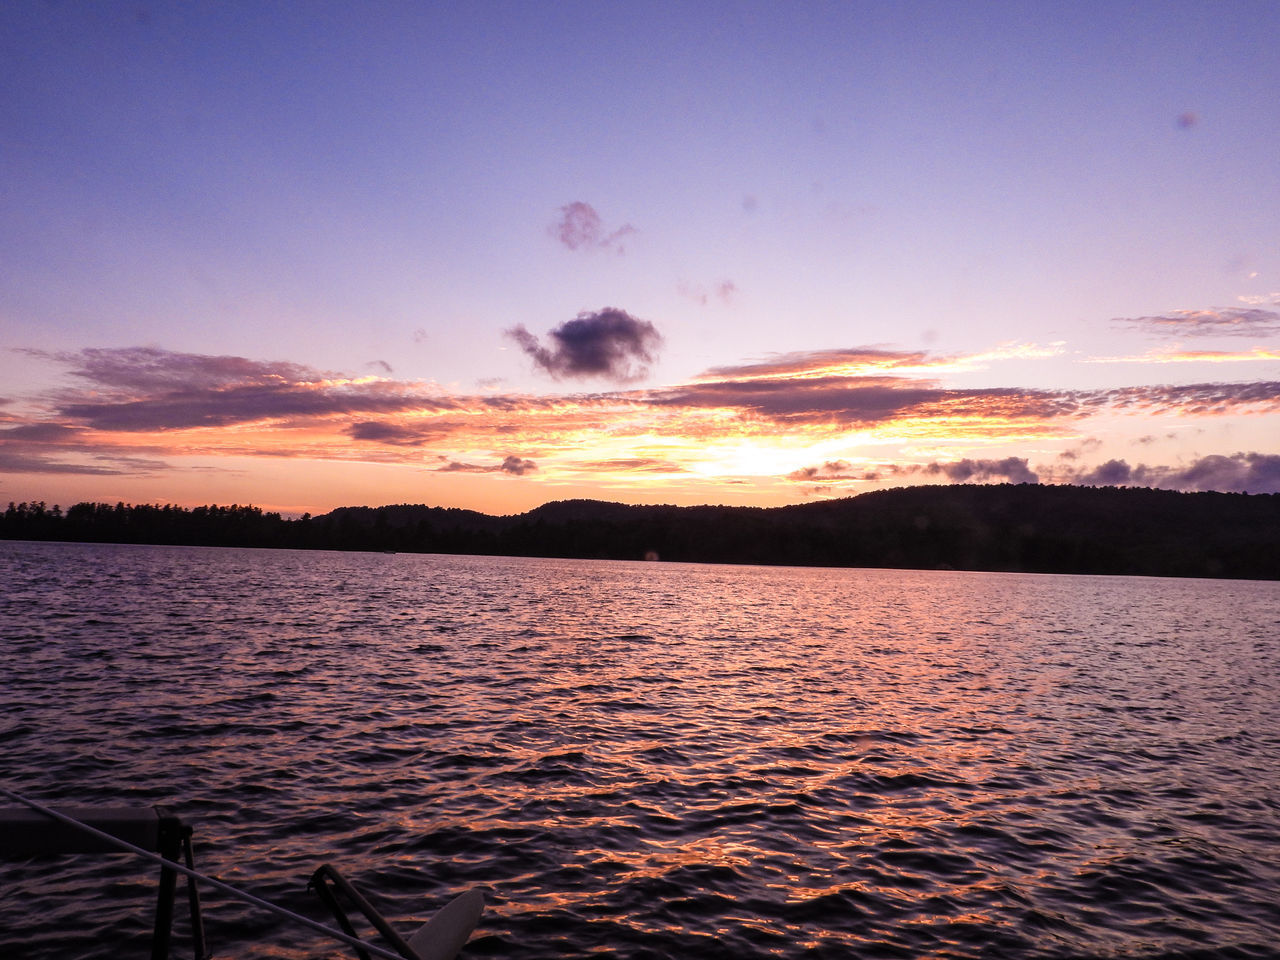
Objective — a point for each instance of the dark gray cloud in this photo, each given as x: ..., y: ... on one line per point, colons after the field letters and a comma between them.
x: 1238, y: 473
x: 397, y: 434
x: 1252, y: 472
x: 609, y: 343
x: 1109, y: 474
x: 381, y: 365
x: 1008, y: 470
x: 830, y: 471
x: 516, y: 466
x: 579, y: 227
x: 1214, y: 322
x: 54, y: 433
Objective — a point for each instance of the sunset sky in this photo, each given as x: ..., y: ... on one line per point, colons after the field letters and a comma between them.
x: 488, y: 255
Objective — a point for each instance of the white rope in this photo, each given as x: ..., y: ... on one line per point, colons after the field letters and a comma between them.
x: 212, y: 881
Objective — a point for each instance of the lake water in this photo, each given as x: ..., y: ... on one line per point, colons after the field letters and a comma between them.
x: 652, y: 760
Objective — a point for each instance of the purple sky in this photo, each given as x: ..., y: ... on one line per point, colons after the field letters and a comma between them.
x: 494, y: 254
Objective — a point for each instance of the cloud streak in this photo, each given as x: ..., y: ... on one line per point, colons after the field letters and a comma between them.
x: 631, y: 465
x: 1213, y: 322
x: 146, y: 389
x: 869, y: 361
x: 12, y: 461
x: 37, y: 447
x: 820, y: 363
x: 847, y: 402
x: 398, y: 434
x: 1195, y: 356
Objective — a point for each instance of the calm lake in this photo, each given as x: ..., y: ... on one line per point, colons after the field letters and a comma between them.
x: 651, y: 760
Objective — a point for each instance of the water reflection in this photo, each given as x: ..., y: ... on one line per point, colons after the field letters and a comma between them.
x: 652, y: 759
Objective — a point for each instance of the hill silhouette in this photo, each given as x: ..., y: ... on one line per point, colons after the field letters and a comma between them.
x: 1026, y: 527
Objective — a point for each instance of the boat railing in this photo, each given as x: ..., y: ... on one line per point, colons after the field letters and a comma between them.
x: 153, y: 833
x: 28, y: 833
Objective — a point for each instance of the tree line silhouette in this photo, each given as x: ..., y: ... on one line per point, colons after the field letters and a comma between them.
x: 1025, y: 527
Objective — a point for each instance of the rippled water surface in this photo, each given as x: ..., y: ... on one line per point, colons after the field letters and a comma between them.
x: 652, y: 760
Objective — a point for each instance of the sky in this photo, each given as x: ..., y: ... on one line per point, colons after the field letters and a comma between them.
x: 490, y: 255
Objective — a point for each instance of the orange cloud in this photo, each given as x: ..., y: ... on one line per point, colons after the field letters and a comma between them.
x: 138, y: 409
x: 1195, y: 356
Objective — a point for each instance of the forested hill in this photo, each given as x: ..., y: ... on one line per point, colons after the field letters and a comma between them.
x: 1027, y: 527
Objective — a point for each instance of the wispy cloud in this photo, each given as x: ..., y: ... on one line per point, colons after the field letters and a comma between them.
x: 725, y: 291
x: 1213, y: 322
x: 631, y: 465
x: 609, y: 343
x: 1195, y: 356
x: 579, y: 227
x: 854, y: 361
x: 865, y: 361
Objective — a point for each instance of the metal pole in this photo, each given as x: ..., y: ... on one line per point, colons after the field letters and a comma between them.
x: 212, y: 881
x: 364, y: 906
x: 169, y: 850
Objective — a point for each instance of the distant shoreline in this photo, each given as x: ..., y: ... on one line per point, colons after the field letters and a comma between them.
x: 1027, y: 528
